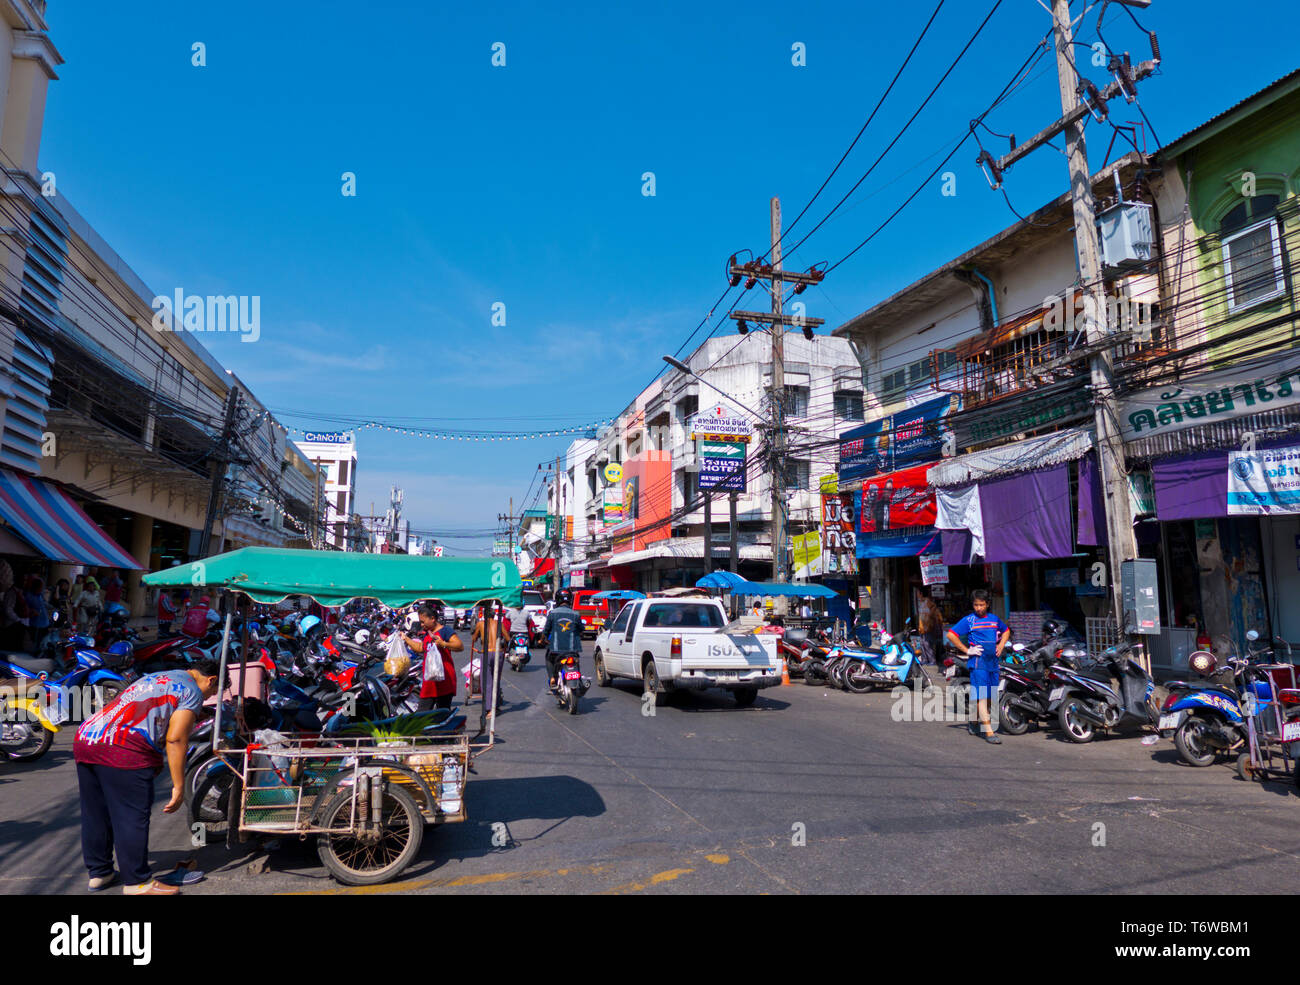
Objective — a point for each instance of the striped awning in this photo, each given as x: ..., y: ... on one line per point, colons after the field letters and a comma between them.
x: 46, y: 517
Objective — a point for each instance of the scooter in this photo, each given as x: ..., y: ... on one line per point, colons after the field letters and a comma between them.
x: 1115, y: 693
x: 88, y: 670
x: 893, y: 664
x: 1024, y: 694
x: 570, y: 685
x: 519, y: 654
x: 28, y: 723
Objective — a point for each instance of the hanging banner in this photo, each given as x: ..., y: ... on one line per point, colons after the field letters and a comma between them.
x: 1264, y: 482
x: 1269, y: 383
x: 807, y: 550
x: 898, y: 499
x: 901, y: 440
x: 839, y: 539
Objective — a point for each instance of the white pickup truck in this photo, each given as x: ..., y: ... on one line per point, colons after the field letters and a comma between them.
x: 683, y: 644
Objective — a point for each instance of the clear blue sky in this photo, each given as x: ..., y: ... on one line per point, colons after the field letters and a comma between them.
x: 522, y: 184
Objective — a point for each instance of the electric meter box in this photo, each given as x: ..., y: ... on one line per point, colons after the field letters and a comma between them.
x: 1141, y: 596
x: 1126, y: 234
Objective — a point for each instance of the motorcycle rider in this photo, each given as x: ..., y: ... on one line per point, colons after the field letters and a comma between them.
x: 563, y: 632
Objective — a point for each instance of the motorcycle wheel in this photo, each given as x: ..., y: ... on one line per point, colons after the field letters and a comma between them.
x: 1075, y: 728
x: 920, y: 679
x: 836, y: 675
x: 856, y: 683
x: 573, y: 701
x: 109, y: 691
x: 356, y: 861
x: 211, y: 803
x: 814, y: 673
x: 1012, y: 720
x: 30, y: 746
x: 1191, y: 744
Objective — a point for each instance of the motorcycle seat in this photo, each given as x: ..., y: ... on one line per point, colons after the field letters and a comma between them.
x: 795, y: 635
x: 37, y: 665
x: 1094, y: 675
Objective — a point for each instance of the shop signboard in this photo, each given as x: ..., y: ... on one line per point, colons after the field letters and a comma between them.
x: 722, y: 465
x: 1264, y: 384
x: 807, y: 550
x: 1053, y: 405
x: 614, y: 503
x: 1264, y: 482
x: 719, y: 423
x: 933, y: 570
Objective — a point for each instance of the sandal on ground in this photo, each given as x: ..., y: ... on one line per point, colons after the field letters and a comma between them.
x: 151, y: 888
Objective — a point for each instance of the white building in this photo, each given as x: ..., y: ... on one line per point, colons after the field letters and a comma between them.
x: 823, y: 395
x: 334, y: 453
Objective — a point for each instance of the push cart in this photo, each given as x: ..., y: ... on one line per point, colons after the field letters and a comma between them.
x: 366, y: 798
x: 1271, y: 706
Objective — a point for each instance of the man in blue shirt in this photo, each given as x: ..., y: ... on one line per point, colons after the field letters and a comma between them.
x: 986, y: 631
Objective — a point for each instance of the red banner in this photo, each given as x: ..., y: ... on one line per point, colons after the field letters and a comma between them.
x: 897, y: 499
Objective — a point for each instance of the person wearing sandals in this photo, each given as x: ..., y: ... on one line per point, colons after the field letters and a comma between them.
x: 119, y: 750
x: 985, y: 630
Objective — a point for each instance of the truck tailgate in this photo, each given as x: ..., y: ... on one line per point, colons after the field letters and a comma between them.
x: 718, y: 651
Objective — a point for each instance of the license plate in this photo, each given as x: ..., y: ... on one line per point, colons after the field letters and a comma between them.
x: 950, y: 672
x: 58, y: 716
x: 727, y: 677
x: 1291, y: 732
x: 1174, y: 720
x: 1056, y: 694
x: 572, y: 675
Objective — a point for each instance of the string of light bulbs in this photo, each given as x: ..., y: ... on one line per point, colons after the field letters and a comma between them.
x: 444, y: 435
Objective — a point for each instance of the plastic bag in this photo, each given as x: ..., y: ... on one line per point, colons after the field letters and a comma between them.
x: 398, y: 661
x: 433, y: 668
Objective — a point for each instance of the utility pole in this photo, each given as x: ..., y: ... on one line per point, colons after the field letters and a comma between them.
x: 778, y: 404
x: 220, y: 463
x: 708, y: 533
x: 1110, y: 445
x: 772, y: 272
x: 559, y: 528
x: 735, y: 550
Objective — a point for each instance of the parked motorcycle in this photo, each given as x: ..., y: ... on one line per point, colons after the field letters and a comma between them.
x: 892, y: 664
x: 1113, y: 693
x: 27, y: 725
x: 1023, y: 685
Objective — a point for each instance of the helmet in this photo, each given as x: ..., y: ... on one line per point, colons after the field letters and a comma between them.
x: 564, y: 597
x: 307, y: 624
x: 362, y: 637
x: 412, y: 620
x: 1202, y: 662
x: 1053, y: 627
x: 116, y: 609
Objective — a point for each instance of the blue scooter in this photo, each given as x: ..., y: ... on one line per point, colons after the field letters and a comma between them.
x: 89, y: 670
x: 893, y: 663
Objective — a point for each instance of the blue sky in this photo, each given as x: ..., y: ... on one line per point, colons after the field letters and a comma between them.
x: 522, y: 185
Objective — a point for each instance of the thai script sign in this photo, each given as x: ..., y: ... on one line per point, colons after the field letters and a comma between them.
x: 1264, y: 482
x: 1211, y: 398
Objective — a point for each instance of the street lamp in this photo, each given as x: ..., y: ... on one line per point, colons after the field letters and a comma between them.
x: 679, y: 365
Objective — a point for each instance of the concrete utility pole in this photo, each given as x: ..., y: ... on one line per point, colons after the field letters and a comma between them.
x: 220, y: 463
x: 1110, y: 446
x: 559, y: 526
x: 735, y: 534
x: 778, y: 403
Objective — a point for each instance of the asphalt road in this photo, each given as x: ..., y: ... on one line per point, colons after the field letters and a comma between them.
x: 808, y: 790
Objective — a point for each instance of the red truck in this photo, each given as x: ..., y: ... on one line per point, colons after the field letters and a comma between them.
x: 594, y: 612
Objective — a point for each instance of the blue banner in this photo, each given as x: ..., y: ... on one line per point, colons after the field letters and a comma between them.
x: 905, y: 438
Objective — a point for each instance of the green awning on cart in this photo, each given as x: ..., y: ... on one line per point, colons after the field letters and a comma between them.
x: 270, y: 574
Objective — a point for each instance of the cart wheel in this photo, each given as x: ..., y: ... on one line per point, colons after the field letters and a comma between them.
x: 1243, y: 766
x: 364, y: 861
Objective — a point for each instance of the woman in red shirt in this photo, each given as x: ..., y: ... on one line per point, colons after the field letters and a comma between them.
x: 443, y: 641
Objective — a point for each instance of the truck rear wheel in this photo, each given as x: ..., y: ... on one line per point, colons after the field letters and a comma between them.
x: 653, y: 686
x: 745, y: 696
x: 602, y: 676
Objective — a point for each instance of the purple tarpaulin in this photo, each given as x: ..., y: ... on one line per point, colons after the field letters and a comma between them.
x: 1191, y: 487
x: 957, y: 547
x: 1027, y: 516
x: 1092, y: 505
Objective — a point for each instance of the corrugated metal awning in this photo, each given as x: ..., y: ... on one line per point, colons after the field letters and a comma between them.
x: 1019, y: 456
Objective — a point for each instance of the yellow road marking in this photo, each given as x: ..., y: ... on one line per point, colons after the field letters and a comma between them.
x: 718, y: 859
x: 450, y: 883
x: 668, y: 875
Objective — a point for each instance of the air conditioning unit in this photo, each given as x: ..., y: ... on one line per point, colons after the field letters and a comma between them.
x: 1127, y: 235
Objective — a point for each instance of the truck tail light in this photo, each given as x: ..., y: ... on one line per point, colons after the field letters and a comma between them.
x: 675, y: 648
